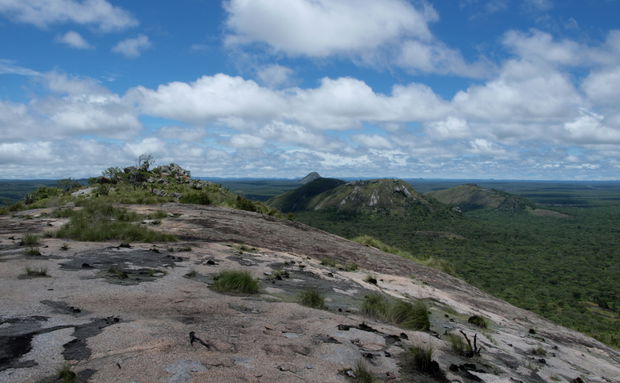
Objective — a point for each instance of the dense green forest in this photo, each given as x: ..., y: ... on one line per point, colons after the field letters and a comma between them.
x: 12, y: 191
x: 566, y: 269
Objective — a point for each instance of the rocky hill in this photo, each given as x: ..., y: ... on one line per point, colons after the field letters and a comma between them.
x: 301, y: 198
x: 309, y: 178
x: 471, y: 197
x: 389, y: 196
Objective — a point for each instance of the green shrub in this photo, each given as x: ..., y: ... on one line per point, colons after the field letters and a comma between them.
x: 439, y: 264
x: 68, y: 184
x: 102, y: 190
x: 362, y: 375
x: 477, y: 320
x: 328, y: 262
x: 312, y: 298
x: 234, y: 281
x: 245, y: 204
x: 350, y: 267
x: 538, y: 351
x: 41, y: 193
x: 367, y: 240
x: 198, y: 198
x: 159, y: 214
x: 62, y: 213
x: 29, y: 240
x: 16, y: 207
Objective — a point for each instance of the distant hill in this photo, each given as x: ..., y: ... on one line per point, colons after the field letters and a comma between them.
x: 309, y: 178
x: 299, y: 199
x: 471, y: 197
x: 391, y: 196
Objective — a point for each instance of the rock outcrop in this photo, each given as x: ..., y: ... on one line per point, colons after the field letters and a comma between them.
x: 145, y: 313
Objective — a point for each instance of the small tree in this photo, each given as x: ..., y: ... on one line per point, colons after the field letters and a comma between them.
x: 68, y: 184
x: 113, y: 173
x: 145, y: 161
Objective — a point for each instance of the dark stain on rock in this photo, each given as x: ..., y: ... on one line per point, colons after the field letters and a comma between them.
x: 77, y: 348
x: 12, y: 348
x: 16, y: 336
x: 137, y: 265
x: 59, y: 307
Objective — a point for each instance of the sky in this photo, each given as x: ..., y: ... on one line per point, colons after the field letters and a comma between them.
x: 503, y: 89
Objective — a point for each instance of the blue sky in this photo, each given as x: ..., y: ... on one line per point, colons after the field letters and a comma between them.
x: 505, y: 89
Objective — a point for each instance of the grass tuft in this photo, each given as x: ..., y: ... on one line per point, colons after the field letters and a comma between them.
x: 420, y: 359
x: 350, y: 267
x: 36, y: 272
x: 117, y: 272
x: 458, y: 345
x: 235, y: 281
x: 362, y: 375
x: 191, y: 274
x: 478, y: 320
x: 100, y: 221
x: 407, y: 315
x: 538, y: 351
x: 328, y: 262
x: 32, y: 251
x: 159, y: 214
x: 66, y: 375
x: 375, y: 306
x: 312, y: 298
x: 30, y: 240
x: 278, y: 275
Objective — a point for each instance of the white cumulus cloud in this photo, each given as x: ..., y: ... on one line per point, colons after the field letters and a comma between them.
x: 75, y: 40
x: 320, y: 28
x: 42, y: 13
x: 275, y: 75
x: 132, y: 47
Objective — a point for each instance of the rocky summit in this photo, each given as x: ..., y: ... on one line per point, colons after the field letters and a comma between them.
x: 308, y: 307
x: 310, y: 177
x: 472, y: 197
x: 386, y: 196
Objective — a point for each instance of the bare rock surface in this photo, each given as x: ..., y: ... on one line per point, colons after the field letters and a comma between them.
x: 145, y: 313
